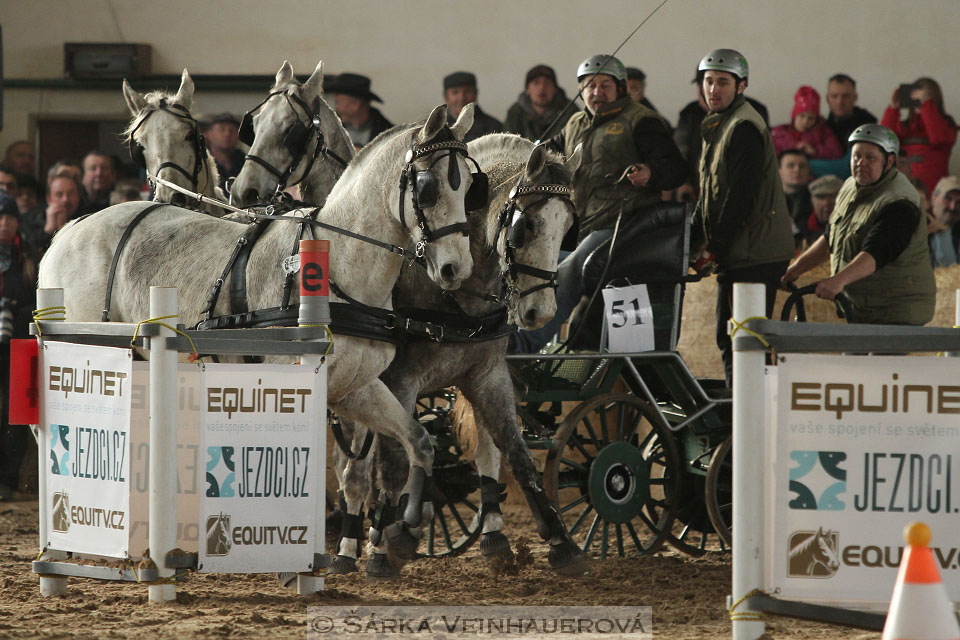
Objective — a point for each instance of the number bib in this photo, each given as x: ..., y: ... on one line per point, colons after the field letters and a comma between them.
x: 629, y: 319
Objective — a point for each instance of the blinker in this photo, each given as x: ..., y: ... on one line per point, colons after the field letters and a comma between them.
x: 518, y: 227
x: 476, y: 197
x: 428, y: 191
x: 245, y: 133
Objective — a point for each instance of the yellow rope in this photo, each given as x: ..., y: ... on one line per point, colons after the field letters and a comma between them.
x: 48, y: 313
x: 751, y: 616
x: 740, y: 325
x: 42, y: 551
x: 942, y: 354
x: 329, y: 336
x: 193, y: 356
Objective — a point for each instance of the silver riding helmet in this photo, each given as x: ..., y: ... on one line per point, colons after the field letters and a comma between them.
x: 878, y: 135
x: 728, y: 60
x: 602, y: 64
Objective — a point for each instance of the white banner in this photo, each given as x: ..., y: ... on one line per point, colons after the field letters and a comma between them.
x: 189, y: 461
x: 264, y: 467
x: 629, y: 318
x: 86, y: 419
x: 863, y: 445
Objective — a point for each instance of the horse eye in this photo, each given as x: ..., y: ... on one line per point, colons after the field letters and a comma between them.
x: 529, y: 224
x: 191, y: 136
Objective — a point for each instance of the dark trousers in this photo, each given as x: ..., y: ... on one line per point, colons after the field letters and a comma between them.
x: 767, y: 274
x: 13, y: 438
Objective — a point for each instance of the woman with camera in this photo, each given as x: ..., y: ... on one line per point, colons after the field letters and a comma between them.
x: 926, y: 132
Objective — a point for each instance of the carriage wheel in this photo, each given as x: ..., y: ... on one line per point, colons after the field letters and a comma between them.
x: 613, y: 473
x: 456, y: 488
x: 719, y: 490
x: 693, y: 531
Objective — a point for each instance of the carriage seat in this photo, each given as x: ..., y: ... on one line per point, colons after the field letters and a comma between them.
x: 652, y: 248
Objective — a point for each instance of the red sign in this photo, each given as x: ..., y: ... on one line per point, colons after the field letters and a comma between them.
x: 314, y: 268
x: 24, y: 382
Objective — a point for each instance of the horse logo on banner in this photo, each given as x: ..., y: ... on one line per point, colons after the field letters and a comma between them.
x: 814, y: 554
x: 218, y: 535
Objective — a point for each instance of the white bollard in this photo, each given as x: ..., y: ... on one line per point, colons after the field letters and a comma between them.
x: 162, y: 529
x: 314, y: 310
x: 956, y: 322
x: 47, y: 298
x: 749, y: 300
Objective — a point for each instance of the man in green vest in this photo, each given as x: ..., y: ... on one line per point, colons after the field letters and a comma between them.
x: 628, y: 158
x: 877, y: 242
x: 746, y: 224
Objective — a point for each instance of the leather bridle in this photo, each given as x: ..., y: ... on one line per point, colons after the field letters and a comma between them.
x: 296, y: 140
x: 419, y: 181
x: 199, y: 150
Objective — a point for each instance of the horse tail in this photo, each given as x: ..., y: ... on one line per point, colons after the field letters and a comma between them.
x: 464, y: 425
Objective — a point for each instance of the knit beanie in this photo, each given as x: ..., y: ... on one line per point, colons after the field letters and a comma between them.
x: 806, y: 99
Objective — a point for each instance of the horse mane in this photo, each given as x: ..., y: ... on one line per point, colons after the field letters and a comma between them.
x: 804, y: 546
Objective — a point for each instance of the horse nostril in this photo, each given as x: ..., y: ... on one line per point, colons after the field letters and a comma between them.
x: 250, y: 195
x: 178, y: 198
x: 448, y: 272
x: 530, y: 316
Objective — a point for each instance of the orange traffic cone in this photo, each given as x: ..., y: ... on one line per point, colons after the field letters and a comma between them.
x: 920, y: 608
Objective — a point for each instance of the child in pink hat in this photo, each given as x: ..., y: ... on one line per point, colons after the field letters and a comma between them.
x: 807, y: 130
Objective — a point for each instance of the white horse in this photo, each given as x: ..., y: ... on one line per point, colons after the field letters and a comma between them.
x: 304, y: 143
x: 163, y: 138
x: 188, y: 250
x: 515, y: 241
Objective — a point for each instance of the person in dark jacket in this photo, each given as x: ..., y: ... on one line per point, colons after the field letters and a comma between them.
x: 352, y: 98
x: 637, y: 87
x: 628, y: 158
x: 539, y: 106
x: 459, y: 90
x: 845, y: 115
x: 744, y: 213
x: 18, y: 276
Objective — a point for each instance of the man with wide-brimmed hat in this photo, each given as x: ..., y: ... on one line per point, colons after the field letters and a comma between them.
x: 352, y: 98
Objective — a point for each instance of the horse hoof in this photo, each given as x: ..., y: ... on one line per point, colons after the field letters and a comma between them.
x: 288, y: 579
x: 568, y: 560
x: 342, y: 565
x: 494, y: 546
x: 401, y: 544
x: 379, y: 568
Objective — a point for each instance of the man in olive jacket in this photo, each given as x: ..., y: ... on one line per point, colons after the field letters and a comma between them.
x: 745, y: 218
x: 628, y: 158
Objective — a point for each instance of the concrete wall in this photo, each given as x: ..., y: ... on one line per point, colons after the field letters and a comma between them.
x: 407, y: 46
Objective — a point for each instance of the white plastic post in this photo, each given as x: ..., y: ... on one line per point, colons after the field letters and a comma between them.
x: 162, y: 529
x: 47, y: 298
x: 748, y: 439
x: 314, y: 310
x: 956, y: 322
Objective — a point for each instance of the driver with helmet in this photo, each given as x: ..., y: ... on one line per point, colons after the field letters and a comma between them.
x: 877, y: 242
x: 746, y: 223
x: 628, y: 158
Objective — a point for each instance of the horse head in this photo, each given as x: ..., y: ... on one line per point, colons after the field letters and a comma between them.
x: 435, y: 183
x: 534, y: 220
x: 825, y: 551
x: 164, y: 138
x: 294, y: 138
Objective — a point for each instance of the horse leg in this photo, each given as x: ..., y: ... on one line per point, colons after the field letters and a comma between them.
x: 354, y: 489
x: 374, y: 406
x: 391, y: 468
x: 493, y: 403
x: 494, y: 546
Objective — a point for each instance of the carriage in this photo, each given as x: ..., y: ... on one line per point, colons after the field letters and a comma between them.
x: 635, y: 449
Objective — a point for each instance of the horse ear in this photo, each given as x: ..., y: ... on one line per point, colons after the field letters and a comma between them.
x: 135, y: 101
x: 464, y: 122
x: 435, y: 122
x: 314, y: 84
x: 536, y: 162
x: 573, y: 162
x: 184, y: 95
x: 285, y: 74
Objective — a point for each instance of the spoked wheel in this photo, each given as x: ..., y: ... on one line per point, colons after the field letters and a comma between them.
x: 719, y: 491
x: 456, y: 485
x: 613, y: 473
x: 693, y: 532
